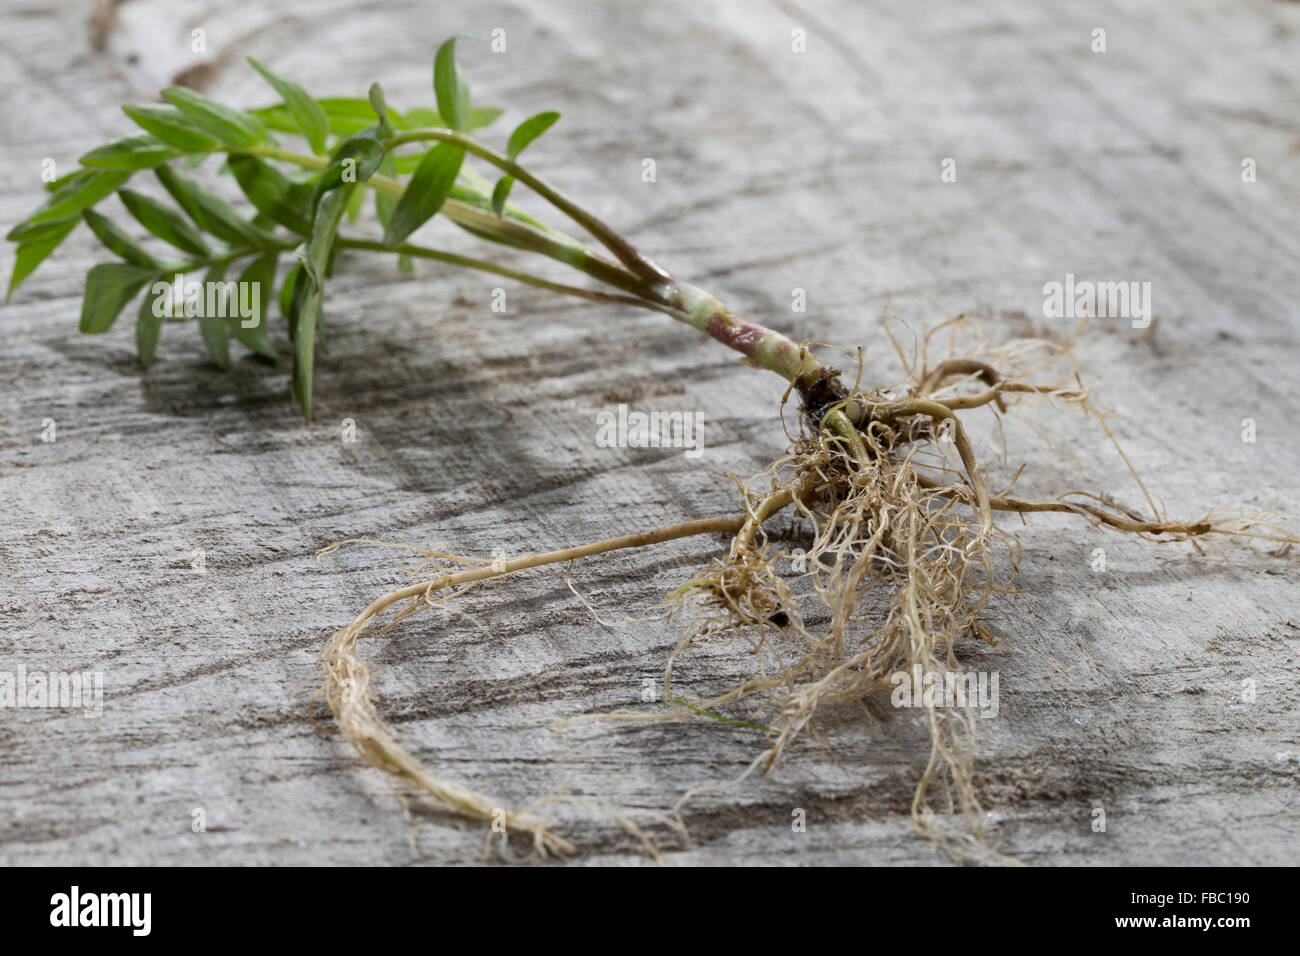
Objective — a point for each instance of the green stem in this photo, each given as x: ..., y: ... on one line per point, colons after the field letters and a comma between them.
x: 650, y: 287
x: 230, y: 255
x: 762, y: 347
x: 615, y: 243
x: 512, y: 232
x: 484, y: 266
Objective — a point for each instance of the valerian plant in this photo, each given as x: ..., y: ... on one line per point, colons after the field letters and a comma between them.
x: 885, y: 480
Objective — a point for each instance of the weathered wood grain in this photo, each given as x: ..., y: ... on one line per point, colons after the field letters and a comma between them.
x: 775, y: 170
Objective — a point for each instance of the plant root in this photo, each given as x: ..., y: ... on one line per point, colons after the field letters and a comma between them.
x: 348, y: 693
x: 870, y: 475
x: 878, y: 517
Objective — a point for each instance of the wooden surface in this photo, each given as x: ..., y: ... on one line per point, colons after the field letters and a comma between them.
x: 476, y: 432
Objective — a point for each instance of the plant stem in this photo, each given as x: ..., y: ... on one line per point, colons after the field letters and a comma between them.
x: 484, y: 266
x: 512, y: 232
x: 650, y: 287
x: 615, y: 243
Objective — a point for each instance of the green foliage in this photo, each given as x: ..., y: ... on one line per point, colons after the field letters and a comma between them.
x: 309, y: 293
x: 251, y: 331
x: 425, y: 193
x: 131, y: 152
x: 355, y: 161
x: 271, y: 192
x: 524, y: 133
x: 529, y: 130
x: 148, y: 325
x: 230, y: 127
x: 172, y: 127
x: 211, y: 213
x: 306, y: 112
x: 109, y: 287
x: 32, y: 251
x: 450, y: 88
x: 379, y: 104
x: 117, y: 241
x: 216, y: 335
x: 164, y: 222
x: 291, y: 202
x: 79, y: 191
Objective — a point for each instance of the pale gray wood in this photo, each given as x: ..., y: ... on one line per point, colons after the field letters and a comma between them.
x: 776, y: 171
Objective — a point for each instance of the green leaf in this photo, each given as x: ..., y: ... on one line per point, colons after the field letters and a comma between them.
x: 481, y: 198
x: 346, y: 116
x: 278, y: 119
x: 501, y: 193
x: 450, y: 88
x: 308, y: 293
x: 306, y: 112
x: 252, y: 330
x: 407, y: 164
x: 306, y: 310
x: 31, y: 231
x: 164, y: 222
x: 378, y: 102
x: 529, y: 130
x: 384, y: 203
x: 230, y: 126
x: 273, y: 194
x: 117, y: 241
x: 355, y: 161
x: 32, y: 252
x: 262, y: 221
x: 148, y: 323
x: 110, y: 286
x: 79, y: 191
x: 211, y: 213
x: 420, y: 117
x: 213, y: 328
x: 351, y: 108
x: 482, y: 116
x: 306, y: 301
x: 355, y: 202
x: 172, y: 127
x: 380, y: 105
x: 286, y: 291
x: 316, y: 251
x: 56, y: 184
x: 349, y: 116
x: 425, y: 193
x: 130, y: 152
